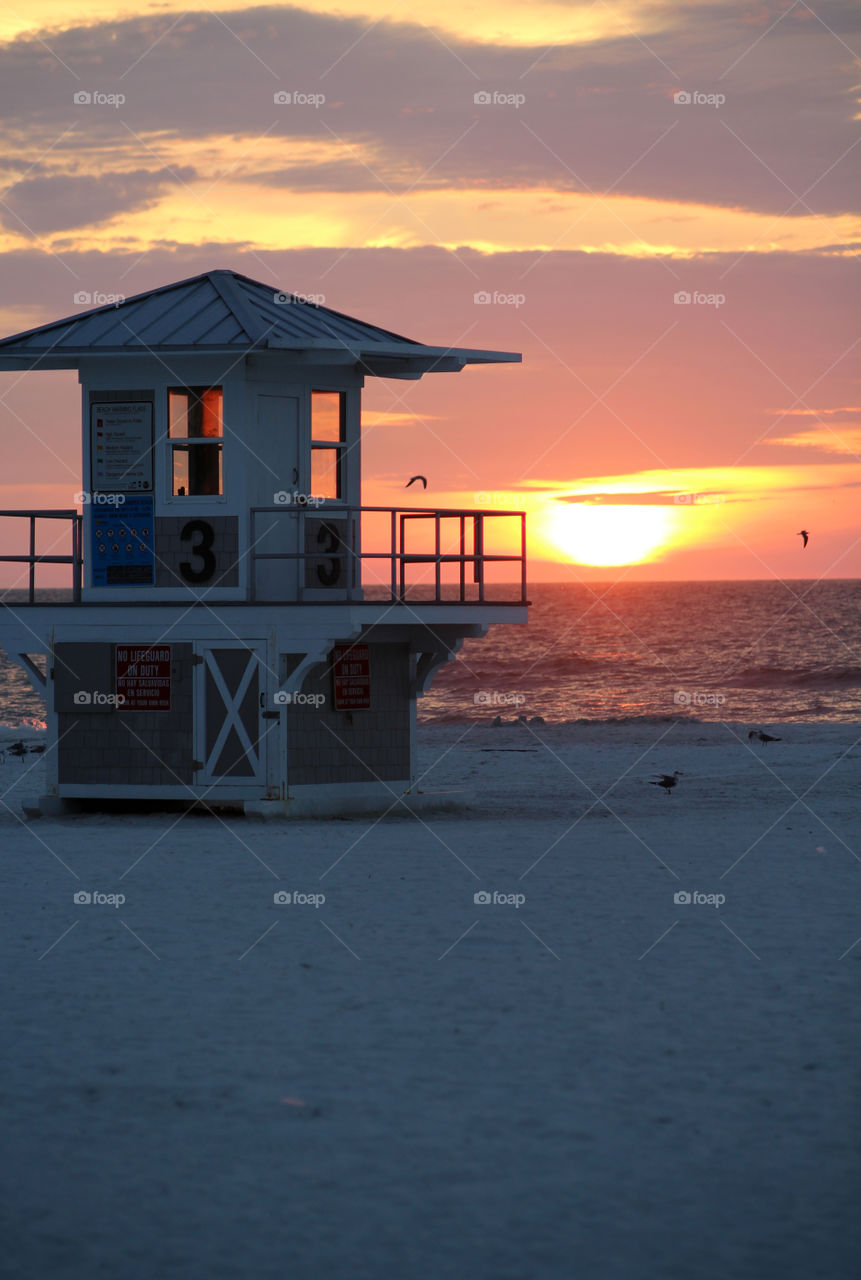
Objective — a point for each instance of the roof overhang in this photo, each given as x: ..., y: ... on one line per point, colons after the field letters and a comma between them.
x: 378, y: 360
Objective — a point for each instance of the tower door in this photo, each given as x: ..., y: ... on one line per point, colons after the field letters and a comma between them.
x: 276, y: 482
x: 228, y: 735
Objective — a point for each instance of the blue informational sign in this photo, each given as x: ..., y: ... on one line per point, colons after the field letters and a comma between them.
x: 122, y: 541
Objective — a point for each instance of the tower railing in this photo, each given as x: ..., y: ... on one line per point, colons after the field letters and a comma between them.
x: 32, y: 557
x: 451, y: 548
x: 316, y: 553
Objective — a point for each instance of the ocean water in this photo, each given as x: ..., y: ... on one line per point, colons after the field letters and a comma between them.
x: 755, y: 652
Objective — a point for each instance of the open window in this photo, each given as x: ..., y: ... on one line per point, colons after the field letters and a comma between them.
x: 328, y: 443
x: 196, y: 436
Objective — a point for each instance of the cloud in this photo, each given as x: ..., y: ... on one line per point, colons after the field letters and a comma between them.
x: 384, y: 418
x: 35, y: 206
x: 595, y: 117
x: 843, y: 413
x: 846, y: 440
x: 648, y: 498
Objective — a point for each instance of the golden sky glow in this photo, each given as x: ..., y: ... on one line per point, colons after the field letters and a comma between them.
x: 612, y: 535
x: 685, y: 510
x: 266, y: 217
x: 699, y: 507
x: 540, y: 23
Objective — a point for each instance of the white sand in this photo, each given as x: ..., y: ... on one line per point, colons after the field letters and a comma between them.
x: 598, y: 1083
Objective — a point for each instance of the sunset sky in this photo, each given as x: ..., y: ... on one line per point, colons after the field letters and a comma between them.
x: 545, y: 178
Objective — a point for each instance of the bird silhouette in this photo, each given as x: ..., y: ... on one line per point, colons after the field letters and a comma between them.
x: 20, y: 749
x: 422, y: 478
x: 667, y: 781
x: 764, y: 738
x: 802, y: 533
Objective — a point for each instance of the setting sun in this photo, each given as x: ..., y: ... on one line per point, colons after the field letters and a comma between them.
x: 610, y: 535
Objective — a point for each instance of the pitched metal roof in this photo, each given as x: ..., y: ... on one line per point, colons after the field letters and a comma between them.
x: 224, y: 312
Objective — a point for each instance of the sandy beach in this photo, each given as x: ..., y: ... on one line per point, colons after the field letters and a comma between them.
x: 582, y: 1076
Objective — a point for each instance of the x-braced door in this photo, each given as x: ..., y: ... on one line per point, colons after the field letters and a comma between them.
x: 227, y: 721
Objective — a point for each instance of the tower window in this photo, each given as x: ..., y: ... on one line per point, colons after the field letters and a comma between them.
x: 328, y: 440
x: 196, y: 432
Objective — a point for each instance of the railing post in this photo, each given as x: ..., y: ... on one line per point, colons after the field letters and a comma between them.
x: 438, y: 579
x: 302, y: 562
x: 523, y: 558
x: 393, y: 553
x: 478, y: 549
x: 252, y: 557
x: 462, y: 558
x: 77, y: 555
x: 402, y: 561
x: 32, y: 558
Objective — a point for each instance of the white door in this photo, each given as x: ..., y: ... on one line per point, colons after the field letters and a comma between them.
x: 275, y: 465
x: 229, y: 742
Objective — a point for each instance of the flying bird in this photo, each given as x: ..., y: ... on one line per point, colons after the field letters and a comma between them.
x: 764, y: 738
x: 802, y: 533
x: 422, y: 478
x: 667, y: 781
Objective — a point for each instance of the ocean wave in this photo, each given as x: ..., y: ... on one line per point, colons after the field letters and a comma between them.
x: 783, y: 677
x: 508, y: 722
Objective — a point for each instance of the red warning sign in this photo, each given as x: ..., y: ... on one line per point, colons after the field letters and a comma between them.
x: 143, y: 677
x: 351, y: 667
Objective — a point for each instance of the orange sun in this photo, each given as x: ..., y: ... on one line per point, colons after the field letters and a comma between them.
x: 610, y: 535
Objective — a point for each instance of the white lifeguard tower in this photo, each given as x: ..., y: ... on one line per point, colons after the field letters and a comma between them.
x: 221, y: 644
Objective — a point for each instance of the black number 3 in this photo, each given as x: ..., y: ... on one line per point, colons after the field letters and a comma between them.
x: 202, y: 550
x: 329, y: 539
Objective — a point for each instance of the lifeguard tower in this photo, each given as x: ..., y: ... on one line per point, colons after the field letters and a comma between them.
x: 239, y: 629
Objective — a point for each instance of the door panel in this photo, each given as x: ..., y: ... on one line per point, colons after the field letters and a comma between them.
x: 229, y: 679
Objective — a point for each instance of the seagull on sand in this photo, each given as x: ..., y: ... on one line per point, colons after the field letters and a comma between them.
x: 667, y: 781
x: 413, y: 480
x: 20, y: 749
x: 802, y: 533
x: 764, y: 738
